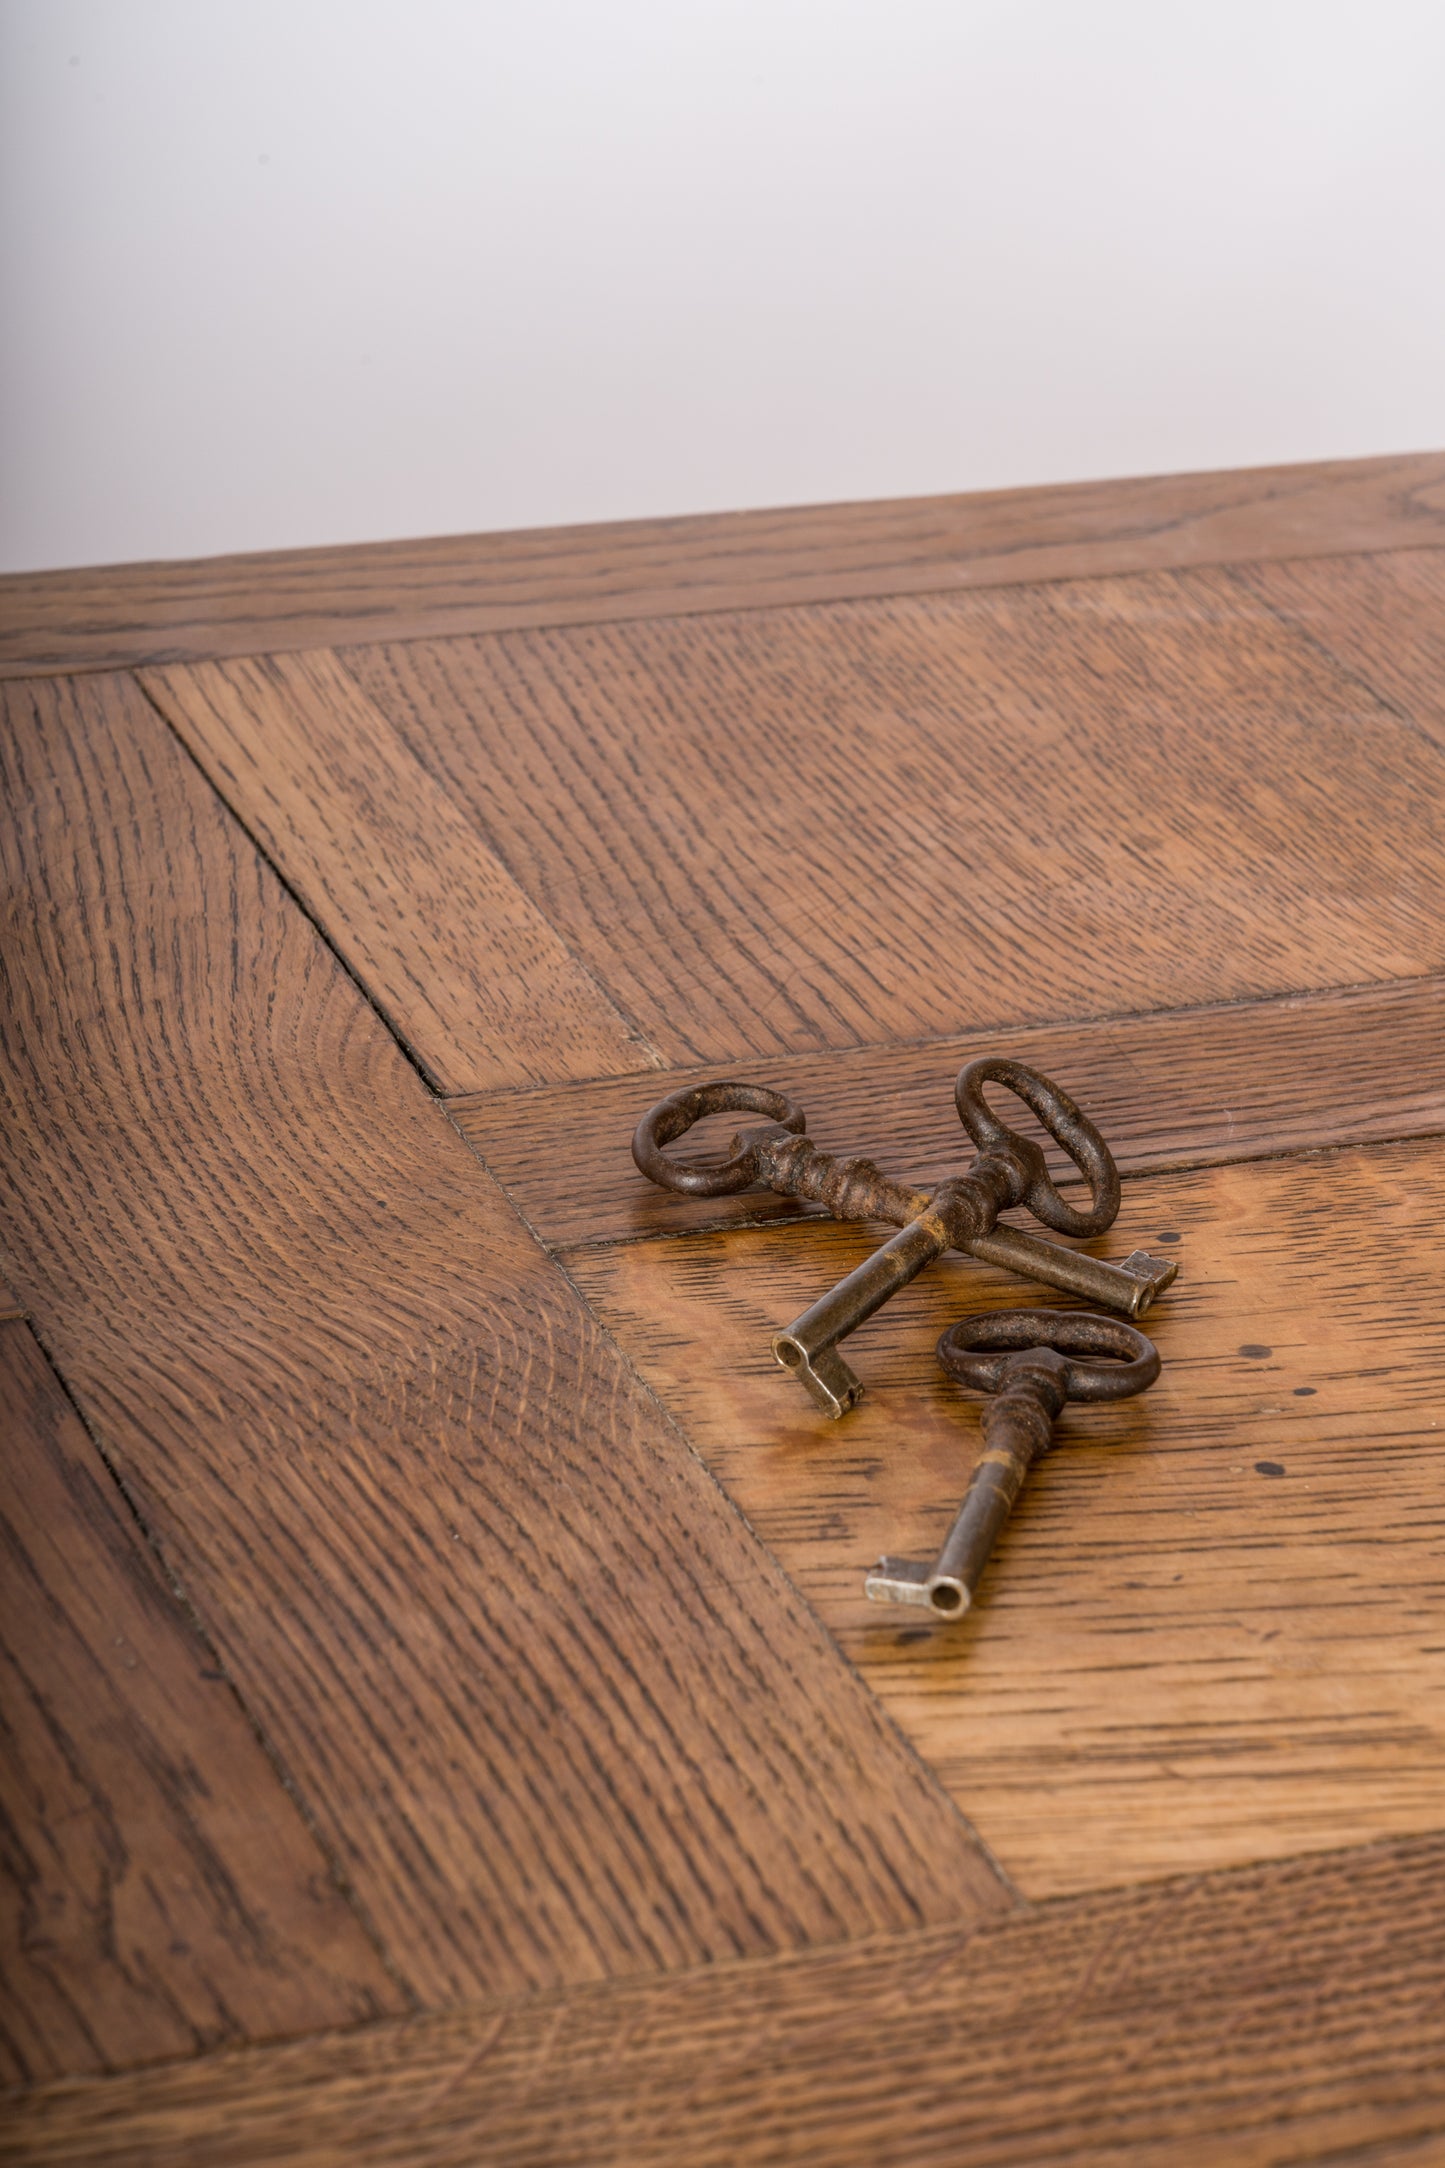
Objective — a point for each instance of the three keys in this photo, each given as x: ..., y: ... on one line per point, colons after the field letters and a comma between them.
x: 1031, y: 1362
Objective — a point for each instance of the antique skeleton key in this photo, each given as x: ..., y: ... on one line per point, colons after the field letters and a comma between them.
x: 961, y: 1213
x: 1031, y: 1362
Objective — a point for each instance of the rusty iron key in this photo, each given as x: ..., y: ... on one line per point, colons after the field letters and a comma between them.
x: 961, y: 1213
x: 1031, y: 1362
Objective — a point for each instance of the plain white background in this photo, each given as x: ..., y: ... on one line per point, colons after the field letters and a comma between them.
x: 279, y: 272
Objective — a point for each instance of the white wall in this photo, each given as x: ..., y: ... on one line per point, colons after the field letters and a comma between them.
x: 291, y: 271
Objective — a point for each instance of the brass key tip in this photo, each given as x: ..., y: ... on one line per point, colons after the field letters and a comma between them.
x: 1154, y: 1274
x: 834, y: 1386
x: 907, y: 1580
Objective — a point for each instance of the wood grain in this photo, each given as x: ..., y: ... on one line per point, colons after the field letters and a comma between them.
x: 109, y: 615
x: 159, y: 1892
x: 797, y: 829
x: 549, y: 1703
x: 1290, y: 2014
x: 1211, y: 1632
x: 1383, y: 617
x: 1179, y: 1088
x: 543, y: 1697
x: 466, y: 969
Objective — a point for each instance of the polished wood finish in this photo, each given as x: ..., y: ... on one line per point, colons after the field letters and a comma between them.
x: 1383, y: 617
x: 283, y: 600
x: 434, y: 1527
x: 1179, y: 1088
x: 785, y: 830
x: 521, y: 1727
x: 1208, y: 1634
x: 1292, y: 2013
x: 161, y: 1893
x: 464, y: 967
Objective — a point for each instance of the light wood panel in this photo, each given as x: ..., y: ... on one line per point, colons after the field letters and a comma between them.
x: 1288, y: 2014
x: 1211, y: 1633
x: 465, y: 968
x: 1381, y: 616
x: 793, y: 829
x: 549, y: 1703
x: 107, y: 615
x: 159, y: 1892
x: 1179, y: 1088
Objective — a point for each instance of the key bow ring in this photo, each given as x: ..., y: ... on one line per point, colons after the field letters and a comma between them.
x: 1083, y: 1357
x: 672, y: 1117
x: 1030, y: 1181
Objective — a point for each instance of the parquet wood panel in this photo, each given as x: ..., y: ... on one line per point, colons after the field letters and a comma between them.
x: 786, y: 830
x: 1288, y: 2014
x: 107, y: 615
x: 1179, y: 1088
x: 1381, y: 616
x: 160, y: 1893
x: 549, y: 1704
x: 467, y: 970
x: 1211, y: 1633
x: 583, y: 1761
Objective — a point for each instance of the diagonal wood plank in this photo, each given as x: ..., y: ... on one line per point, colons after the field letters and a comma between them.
x: 1383, y: 617
x: 159, y: 1892
x: 1288, y: 2014
x: 1354, y: 1065
x: 817, y: 828
x: 550, y: 1704
x: 1211, y: 1633
x: 464, y: 966
x: 282, y: 600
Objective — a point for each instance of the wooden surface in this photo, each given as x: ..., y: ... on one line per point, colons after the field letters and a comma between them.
x: 559, y: 1799
x: 466, y: 970
x: 1287, y: 2014
x: 161, y: 1893
x: 1178, y: 1088
x: 791, y: 829
x: 1211, y: 1630
x: 1383, y: 617
x: 436, y: 1530
x: 103, y: 616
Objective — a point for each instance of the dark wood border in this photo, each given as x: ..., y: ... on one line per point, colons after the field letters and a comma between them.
x: 108, y: 616
x: 1175, y: 1088
x: 1269, y: 2016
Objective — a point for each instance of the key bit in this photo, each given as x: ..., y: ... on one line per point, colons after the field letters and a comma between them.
x: 1030, y: 1362
x: 962, y: 1213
